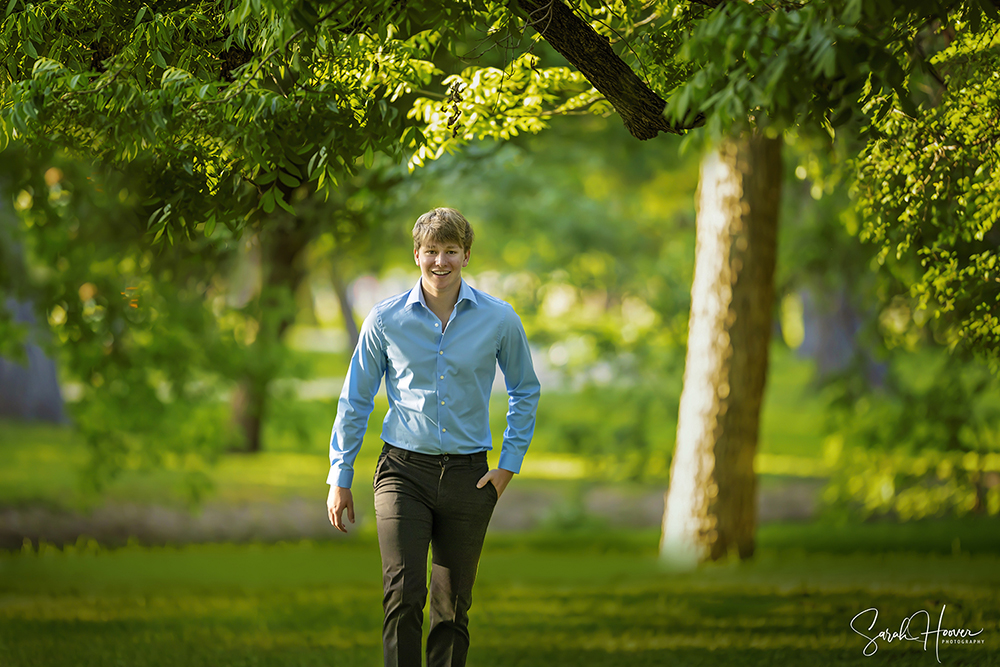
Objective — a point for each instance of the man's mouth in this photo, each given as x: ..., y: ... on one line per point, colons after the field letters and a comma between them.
x: 440, y: 273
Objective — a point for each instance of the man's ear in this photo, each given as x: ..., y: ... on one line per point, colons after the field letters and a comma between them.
x: 468, y: 253
x: 416, y: 256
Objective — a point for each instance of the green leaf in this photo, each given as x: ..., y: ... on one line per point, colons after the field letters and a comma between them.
x: 683, y: 102
x: 514, y: 30
x: 240, y: 15
x: 267, y: 201
x: 289, y: 180
x: 852, y: 13
x: 906, y: 104
x: 369, y: 158
x: 280, y: 199
x: 318, y: 160
x: 10, y: 7
x: 301, y: 18
x: 138, y: 17
x: 158, y: 59
x: 43, y: 65
x: 517, y: 10
x: 209, y: 226
x: 29, y: 48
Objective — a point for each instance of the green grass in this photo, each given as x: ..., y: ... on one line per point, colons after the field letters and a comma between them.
x: 579, y: 599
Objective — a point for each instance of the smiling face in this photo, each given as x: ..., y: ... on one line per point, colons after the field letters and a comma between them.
x: 441, y: 266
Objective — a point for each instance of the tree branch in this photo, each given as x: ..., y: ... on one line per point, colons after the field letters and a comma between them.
x: 639, y: 106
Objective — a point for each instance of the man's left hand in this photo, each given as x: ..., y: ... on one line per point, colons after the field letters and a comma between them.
x: 499, y: 477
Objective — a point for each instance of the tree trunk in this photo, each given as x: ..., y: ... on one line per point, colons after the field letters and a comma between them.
x: 283, y: 273
x: 346, y: 306
x: 711, y: 501
x: 247, y: 405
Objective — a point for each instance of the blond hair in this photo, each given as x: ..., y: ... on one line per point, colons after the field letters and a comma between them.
x: 443, y: 226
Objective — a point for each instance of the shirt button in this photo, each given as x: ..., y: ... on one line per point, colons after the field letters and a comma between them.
x: 442, y: 402
x: 436, y: 324
x: 442, y: 377
x: 444, y: 430
x: 441, y: 352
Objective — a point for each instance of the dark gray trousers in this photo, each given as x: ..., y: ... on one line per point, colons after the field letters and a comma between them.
x: 423, y: 500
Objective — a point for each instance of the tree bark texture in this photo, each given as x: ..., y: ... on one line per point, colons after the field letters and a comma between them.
x: 639, y: 106
x: 711, y: 501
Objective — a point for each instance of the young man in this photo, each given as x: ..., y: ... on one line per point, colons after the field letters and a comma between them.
x: 438, y: 346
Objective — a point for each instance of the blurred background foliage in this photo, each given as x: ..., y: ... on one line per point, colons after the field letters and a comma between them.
x: 232, y: 335
x: 176, y: 355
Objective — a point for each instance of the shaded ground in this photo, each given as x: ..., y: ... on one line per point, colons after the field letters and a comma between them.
x: 297, y: 518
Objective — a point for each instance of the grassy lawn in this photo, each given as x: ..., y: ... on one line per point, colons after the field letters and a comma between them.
x: 550, y: 598
x: 542, y: 599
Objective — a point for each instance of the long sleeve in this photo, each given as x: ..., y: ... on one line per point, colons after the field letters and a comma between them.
x: 357, y: 399
x: 523, y: 388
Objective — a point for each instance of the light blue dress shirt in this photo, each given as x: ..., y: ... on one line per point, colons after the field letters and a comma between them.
x: 438, y: 384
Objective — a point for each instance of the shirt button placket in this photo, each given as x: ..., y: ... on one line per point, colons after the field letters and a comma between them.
x: 440, y: 366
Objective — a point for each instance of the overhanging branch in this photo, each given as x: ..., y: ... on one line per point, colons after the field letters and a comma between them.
x: 639, y: 106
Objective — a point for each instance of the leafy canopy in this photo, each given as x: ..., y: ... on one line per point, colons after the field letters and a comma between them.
x: 225, y: 108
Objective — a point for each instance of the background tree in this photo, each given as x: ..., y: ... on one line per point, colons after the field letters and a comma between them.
x: 711, y: 501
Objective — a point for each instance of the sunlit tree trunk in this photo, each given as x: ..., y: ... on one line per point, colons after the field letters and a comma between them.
x: 711, y: 501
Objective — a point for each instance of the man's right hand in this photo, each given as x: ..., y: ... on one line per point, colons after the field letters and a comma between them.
x: 339, y: 500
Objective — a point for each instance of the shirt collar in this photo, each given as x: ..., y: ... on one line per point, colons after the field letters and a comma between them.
x: 465, y: 293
